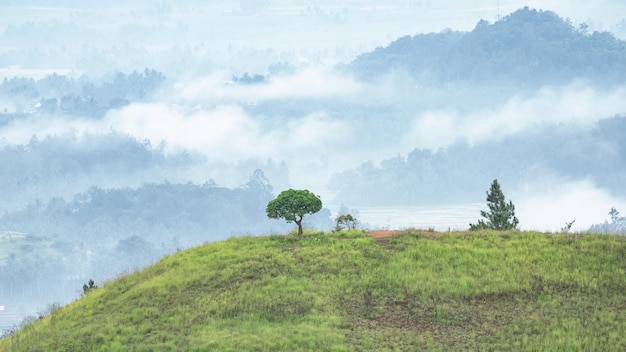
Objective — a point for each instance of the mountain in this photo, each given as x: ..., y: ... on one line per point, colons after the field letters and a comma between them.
x: 527, y: 48
x: 498, y: 74
x: 349, y: 291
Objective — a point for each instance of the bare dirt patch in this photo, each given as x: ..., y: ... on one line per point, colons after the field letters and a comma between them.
x: 383, y: 233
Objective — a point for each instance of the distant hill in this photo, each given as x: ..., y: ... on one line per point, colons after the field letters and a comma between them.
x: 427, y: 176
x: 350, y: 292
x: 528, y: 47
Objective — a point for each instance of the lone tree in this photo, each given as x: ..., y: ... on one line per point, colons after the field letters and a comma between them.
x: 292, y: 205
x: 501, y: 215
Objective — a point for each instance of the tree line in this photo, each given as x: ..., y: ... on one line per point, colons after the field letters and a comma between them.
x: 66, y: 95
x: 528, y: 48
x: 457, y: 173
x: 65, y: 164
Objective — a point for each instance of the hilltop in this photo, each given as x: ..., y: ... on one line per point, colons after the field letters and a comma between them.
x: 528, y: 48
x: 349, y: 291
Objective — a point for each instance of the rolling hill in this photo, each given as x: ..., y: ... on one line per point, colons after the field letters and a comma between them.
x: 349, y: 291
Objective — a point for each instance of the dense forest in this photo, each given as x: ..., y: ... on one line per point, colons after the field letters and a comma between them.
x: 65, y: 95
x: 520, y: 53
x: 425, y: 176
x: 528, y: 48
x: 63, y: 165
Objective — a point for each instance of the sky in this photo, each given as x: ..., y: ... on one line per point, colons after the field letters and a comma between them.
x: 310, y: 30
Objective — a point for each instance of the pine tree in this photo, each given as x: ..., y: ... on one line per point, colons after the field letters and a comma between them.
x: 501, y: 215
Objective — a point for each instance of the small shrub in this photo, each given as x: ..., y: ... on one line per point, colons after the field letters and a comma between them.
x: 89, y: 286
x: 568, y: 226
x: 345, y: 221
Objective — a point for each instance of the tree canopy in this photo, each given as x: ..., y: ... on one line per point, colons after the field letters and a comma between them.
x: 443, y: 174
x: 501, y: 215
x: 292, y: 205
x: 529, y: 47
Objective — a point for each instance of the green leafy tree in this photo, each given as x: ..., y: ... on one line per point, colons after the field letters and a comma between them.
x: 501, y: 215
x: 292, y: 205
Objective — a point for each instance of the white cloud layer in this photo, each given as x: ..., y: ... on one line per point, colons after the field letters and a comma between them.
x: 311, y: 83
x: 227, y: 132
x: 548, y: 206
x: 576, y: 105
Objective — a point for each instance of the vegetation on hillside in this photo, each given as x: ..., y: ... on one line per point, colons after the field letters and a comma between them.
x: 64, y: 95
x: 511, y: 58
x: 425, y: 176
x: 528, y: 48
x: 347, y: 291
x: 69, y: 163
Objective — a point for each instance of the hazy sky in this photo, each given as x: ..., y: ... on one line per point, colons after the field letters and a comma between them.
x: 332, y: 30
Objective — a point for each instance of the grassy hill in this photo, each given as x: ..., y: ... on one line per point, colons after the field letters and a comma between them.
x: 351, y: 292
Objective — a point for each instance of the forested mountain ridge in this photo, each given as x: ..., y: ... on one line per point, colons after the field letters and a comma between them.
x: 483, y: 75
x: 528, y: 48
x: 64, y: 95
x: 427, y: 176
x: 63, y: 165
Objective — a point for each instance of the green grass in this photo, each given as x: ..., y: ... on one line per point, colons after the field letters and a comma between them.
x: 514, y: 291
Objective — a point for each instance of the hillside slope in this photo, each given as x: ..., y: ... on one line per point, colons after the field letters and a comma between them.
x: 351, y: 292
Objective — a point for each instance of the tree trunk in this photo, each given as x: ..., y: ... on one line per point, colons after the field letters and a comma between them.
x: 299, y: 222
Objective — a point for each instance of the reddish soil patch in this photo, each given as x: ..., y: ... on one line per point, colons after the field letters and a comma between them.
x: 382, y: 233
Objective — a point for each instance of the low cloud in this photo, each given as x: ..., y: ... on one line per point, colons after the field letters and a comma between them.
x: 21, y: 131
x: 310, y: 83
x: 224, y: 131
x: 575, y: 105
x: 227, y: 132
